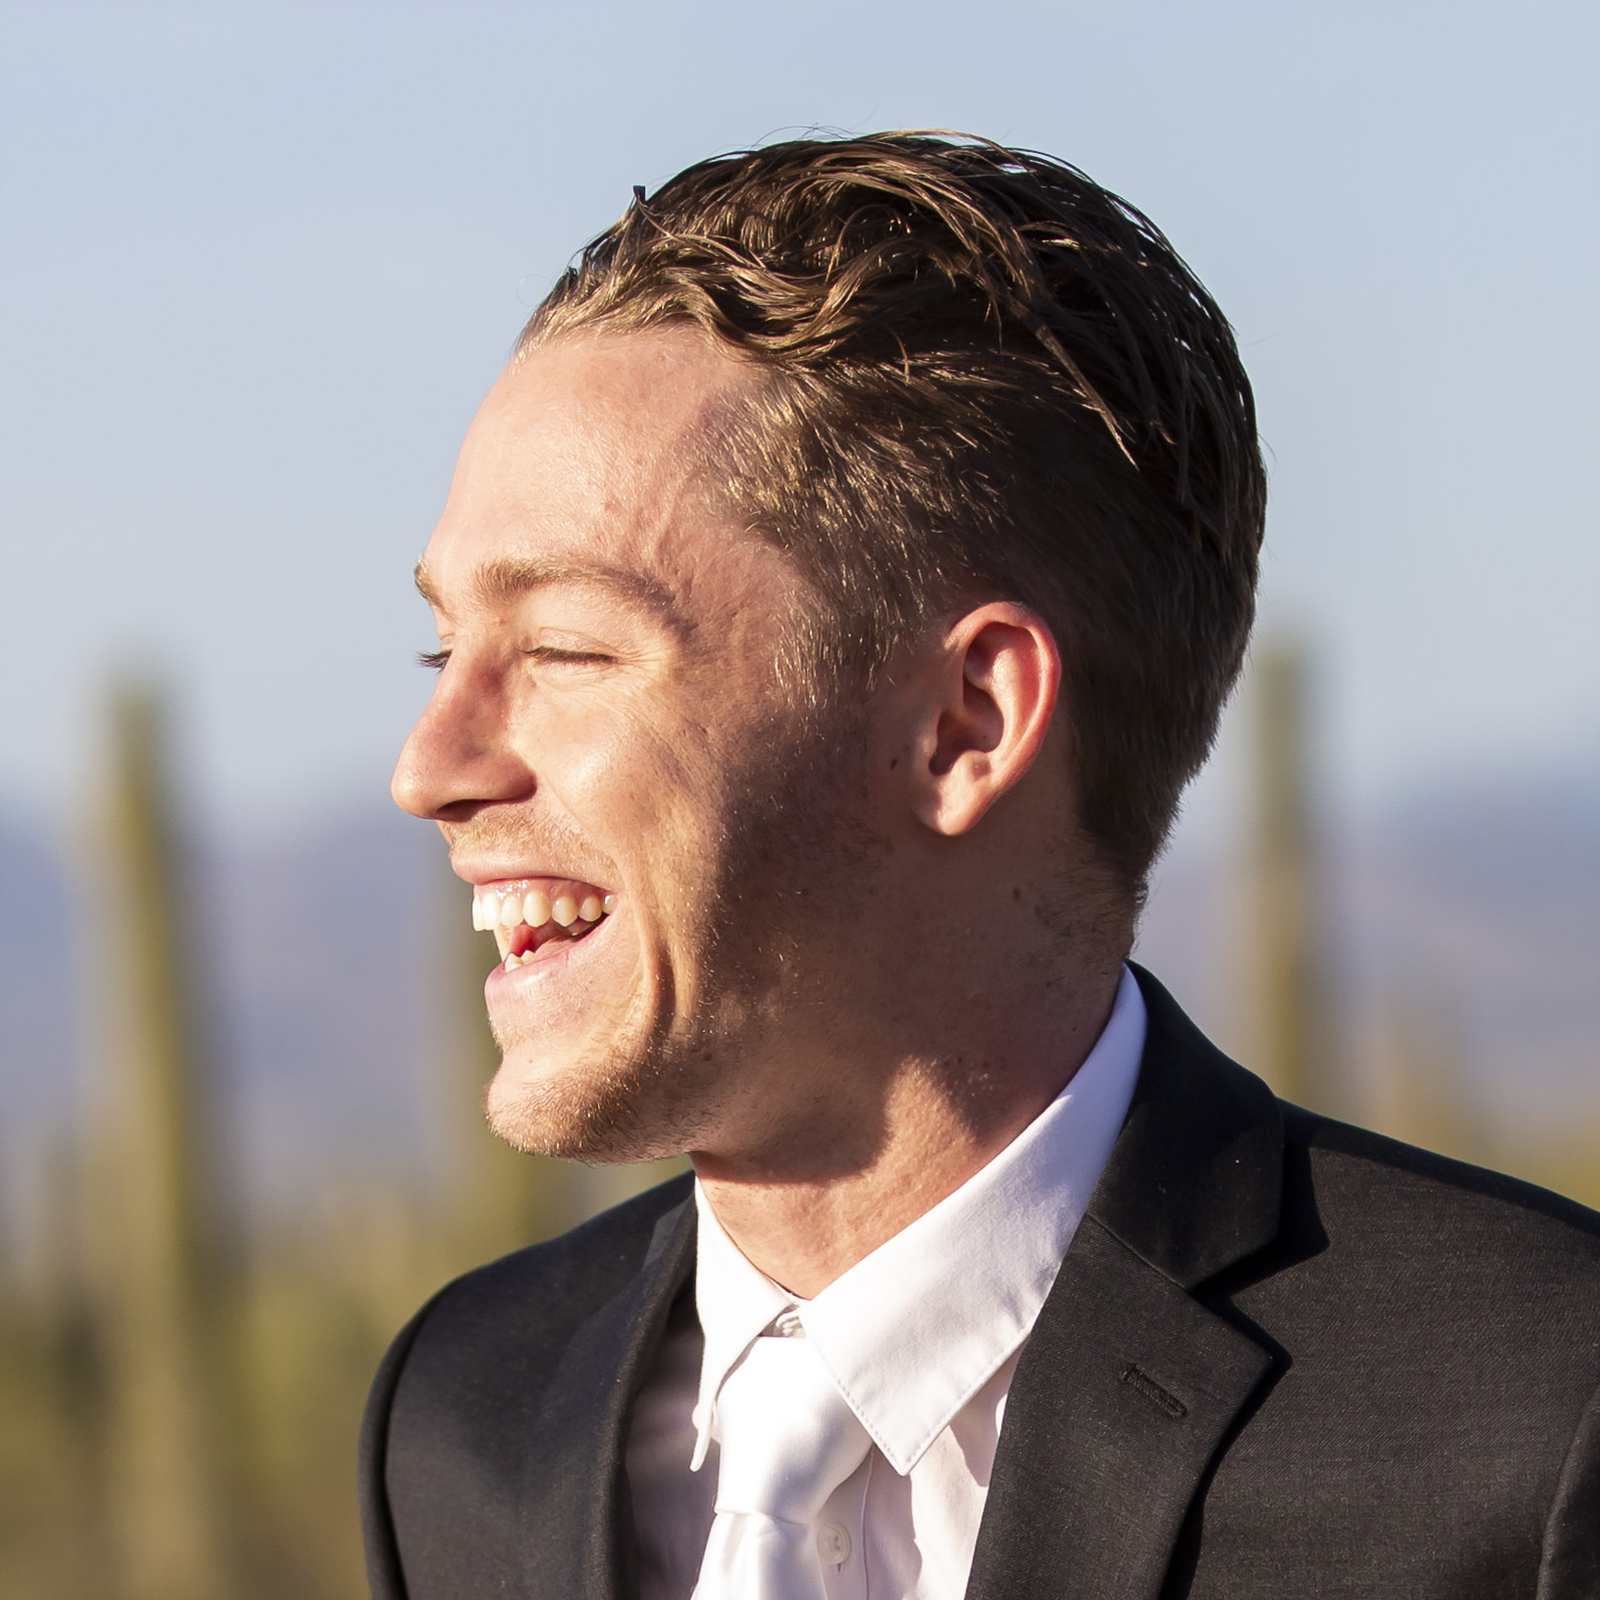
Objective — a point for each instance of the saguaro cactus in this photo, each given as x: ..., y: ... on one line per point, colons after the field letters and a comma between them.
x: 158, y: 1211
x: 1284, y: 984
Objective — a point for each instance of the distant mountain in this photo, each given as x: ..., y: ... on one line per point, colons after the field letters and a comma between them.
x: 311, y: 957
x: 1474, y: 903
x: 321, y: 947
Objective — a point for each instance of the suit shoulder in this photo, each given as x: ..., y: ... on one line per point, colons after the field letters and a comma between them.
x: 495, y: 1356
x: 546, y: 1287
x: 1418, y: 1198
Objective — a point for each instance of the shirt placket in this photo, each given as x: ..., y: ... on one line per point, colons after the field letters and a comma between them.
x: 840, y: 1533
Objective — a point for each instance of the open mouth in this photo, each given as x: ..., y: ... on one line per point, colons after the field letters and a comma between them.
x: 535, y: 918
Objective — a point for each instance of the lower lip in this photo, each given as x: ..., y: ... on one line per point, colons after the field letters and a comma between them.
x: 555, y: 960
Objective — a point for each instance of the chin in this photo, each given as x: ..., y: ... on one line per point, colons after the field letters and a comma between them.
x: 600, y: 1112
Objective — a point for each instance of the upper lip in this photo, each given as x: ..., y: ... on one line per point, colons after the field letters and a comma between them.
x: 483, y: 872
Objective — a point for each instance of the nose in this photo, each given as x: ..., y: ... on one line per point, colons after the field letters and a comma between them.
x: 460, y: 755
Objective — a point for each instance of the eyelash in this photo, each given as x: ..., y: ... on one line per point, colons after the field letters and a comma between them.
x: 437, y: 658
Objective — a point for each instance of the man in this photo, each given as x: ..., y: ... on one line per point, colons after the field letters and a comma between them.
x: 836, y: 592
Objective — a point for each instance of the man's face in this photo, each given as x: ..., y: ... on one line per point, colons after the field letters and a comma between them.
x: 608, y: 728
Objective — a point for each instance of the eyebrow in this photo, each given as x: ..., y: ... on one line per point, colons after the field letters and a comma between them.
x: 507, y: 578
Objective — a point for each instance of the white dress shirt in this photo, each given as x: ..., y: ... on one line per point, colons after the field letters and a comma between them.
x: 921, y: 1337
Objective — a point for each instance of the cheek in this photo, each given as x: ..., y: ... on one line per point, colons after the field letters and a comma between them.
x: 635, y: 783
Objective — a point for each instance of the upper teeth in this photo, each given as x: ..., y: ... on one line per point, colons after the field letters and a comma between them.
x: 515, y: 903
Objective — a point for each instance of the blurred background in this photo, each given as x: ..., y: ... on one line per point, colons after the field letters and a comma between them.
x: 260, y: 263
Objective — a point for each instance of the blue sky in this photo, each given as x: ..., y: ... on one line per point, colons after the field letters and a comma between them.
x: 261, y: 261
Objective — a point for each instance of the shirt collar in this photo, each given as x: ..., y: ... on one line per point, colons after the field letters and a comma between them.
x: 912, y: 1331
x: 735, y: 1300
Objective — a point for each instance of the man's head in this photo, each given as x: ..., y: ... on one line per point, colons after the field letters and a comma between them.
x: 875, y: 482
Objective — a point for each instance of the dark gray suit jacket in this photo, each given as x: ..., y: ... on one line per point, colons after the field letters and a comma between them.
x: 1283, y: 1358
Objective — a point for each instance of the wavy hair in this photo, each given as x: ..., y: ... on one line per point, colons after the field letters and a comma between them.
x: 986, y: 375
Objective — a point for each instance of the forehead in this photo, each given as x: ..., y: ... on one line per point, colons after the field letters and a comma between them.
x: 592, y: 450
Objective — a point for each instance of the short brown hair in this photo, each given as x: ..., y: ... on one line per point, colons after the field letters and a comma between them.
x: 987, y: 375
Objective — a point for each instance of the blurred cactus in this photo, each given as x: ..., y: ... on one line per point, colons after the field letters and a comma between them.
x: 154, y: 1222
x: 1285, y: 996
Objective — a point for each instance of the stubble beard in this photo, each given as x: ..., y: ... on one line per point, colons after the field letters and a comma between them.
x: 795, y: 858
x: 632, y: 1097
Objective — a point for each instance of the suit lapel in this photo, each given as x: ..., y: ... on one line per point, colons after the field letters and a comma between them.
x: 1128, y: 1384
x: 577, y: 1527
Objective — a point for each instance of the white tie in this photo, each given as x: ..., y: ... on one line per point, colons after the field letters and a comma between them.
x: 787, y: 1441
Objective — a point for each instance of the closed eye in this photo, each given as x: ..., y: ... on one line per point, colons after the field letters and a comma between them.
x: 549, y: 653
x: 437, y: 659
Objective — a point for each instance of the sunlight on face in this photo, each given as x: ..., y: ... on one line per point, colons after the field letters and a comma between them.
x: 608, y: 717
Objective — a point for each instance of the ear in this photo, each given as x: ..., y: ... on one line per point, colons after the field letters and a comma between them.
x: 995, y: 682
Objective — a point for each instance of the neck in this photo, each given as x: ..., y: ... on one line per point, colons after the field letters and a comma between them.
x: 804, y: 1222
